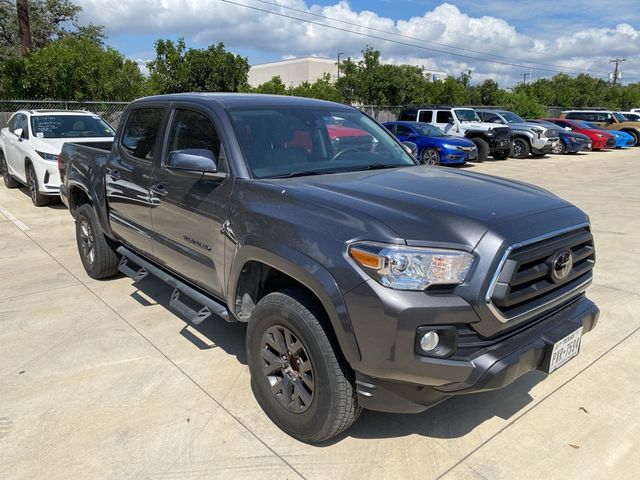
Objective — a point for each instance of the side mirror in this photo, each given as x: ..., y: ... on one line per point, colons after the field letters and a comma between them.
x: 412, y: 135
x: 191, y: 162
x: 568, y: 129
x: 411, y: 148
x: 19, y: 132
x: 496, y: 120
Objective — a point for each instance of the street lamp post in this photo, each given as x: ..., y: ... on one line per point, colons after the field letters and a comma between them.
x: 339, y: 53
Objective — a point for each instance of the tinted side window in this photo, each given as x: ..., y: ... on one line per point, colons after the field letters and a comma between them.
x: 444, y: 116
x: 603, y: 117
x: 193, y: 130
x: 403, y: 130
x: 141, y: 132
x: 408, y: 115
x: 426, y: 116
x: 12, y: 124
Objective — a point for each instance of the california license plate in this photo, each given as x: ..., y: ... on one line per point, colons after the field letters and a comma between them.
x: 565, y: 349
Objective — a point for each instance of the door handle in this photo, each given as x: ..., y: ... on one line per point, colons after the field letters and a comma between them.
x: 115, y: 174
x: 159, y: 190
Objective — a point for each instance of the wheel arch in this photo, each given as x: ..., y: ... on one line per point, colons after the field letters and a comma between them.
x: 255, y: 272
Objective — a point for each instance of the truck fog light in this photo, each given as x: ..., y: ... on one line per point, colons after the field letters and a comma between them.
x: 429, y: 341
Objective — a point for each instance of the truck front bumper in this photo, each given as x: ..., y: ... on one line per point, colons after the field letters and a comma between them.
x: 421, y: 382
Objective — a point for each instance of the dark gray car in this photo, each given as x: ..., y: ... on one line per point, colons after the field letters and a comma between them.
x: 367, y: 279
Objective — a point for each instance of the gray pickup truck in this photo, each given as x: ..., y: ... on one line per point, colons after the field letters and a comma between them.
x: 367, y: 280
x: 528, y: 138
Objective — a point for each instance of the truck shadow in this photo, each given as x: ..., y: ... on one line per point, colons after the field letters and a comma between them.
x: 450, y: 419
x: 214, y: 332
x: 55, y: 203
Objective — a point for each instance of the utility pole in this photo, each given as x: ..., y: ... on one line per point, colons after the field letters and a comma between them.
x: 616, y: 73
x: 339, y: 53
x: 23, y: 25
x: 524, y: 77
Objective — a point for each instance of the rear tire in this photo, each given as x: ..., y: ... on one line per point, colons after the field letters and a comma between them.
x: 37, y: 198
x: 298, y: 377
x: 483, y: 149
x: 97, y: 252
x: 520, y: 148
x: 9, y: 181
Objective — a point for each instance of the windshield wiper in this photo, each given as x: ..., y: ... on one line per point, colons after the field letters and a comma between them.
x: 379, y: 166
x: 302, y: 173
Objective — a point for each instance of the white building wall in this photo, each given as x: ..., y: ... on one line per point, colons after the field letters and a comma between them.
x: 293, y: 72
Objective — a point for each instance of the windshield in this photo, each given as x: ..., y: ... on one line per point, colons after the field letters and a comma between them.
x: 429, y: 130
x: 591, y: 126
x: 620, y: 117
x: 292, y: 141
x: 70, y: 126
x: 467, y: 115
x: 511, y: 117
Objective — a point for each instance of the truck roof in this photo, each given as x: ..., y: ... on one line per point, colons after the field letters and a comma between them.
x: 233, y: 100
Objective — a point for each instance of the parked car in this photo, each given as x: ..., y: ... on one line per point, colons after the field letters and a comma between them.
x: 528, y: 138
x: 489, y: 138
x: 621, y: 139
x: 31, y: 143
x: 599, y: 138
x: 434, y: 146
x: 631, y: 116
x: 366, y: 279
x: 570, y: 142
x: 607, y: 119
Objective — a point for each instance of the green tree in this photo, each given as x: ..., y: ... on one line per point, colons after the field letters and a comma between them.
x: 73, y: 69
x: 524, y: 105
x: 272, y: 87
x: 50, y: 20
x: 488, y: 93
x: 322, y: 89
x: 178, y: 69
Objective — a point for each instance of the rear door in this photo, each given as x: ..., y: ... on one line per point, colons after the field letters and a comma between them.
x: 443, y: 120
x: 129, y: 175
x: 16, y: 151
x: 189, y: 211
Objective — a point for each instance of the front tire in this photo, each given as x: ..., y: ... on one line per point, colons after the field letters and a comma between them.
x: 559, y: 149
x: 9, y: 181
x: 430, y: 156
x: 298, y: 377
x: 97, y: 253
x: 520, y: 148
x: 483, y: 149
x: 37, y: 198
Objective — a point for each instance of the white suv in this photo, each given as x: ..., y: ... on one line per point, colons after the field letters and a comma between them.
x: 32, y: 141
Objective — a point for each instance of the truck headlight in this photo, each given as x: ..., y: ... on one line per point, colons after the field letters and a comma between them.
x: 411, y: 268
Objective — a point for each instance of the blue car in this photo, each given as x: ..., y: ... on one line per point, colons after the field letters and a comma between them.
x: 621, y: 139
x: 570, y: 142
x: 434, y: 146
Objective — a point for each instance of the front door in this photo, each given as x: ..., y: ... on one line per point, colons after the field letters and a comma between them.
x: 128, y: 176
x: 188, y: 211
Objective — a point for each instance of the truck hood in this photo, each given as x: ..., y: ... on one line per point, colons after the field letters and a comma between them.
x: 54, y: 145
x: 423, y: 204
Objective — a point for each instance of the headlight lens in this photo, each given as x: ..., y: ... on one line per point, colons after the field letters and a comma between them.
x: 411, y: 268
x: 48, y: 156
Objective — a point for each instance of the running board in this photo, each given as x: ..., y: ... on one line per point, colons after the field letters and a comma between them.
x: 137, y: 268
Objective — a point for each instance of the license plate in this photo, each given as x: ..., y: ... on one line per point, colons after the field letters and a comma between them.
x: 504, y: 143
x: 565, y: 349
x: 554, y: 144
x: 473, y: 155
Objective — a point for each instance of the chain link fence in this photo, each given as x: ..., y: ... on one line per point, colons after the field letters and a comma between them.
x: 110, y: 111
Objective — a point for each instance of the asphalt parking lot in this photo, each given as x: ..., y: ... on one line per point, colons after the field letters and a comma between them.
x: 98, y: 379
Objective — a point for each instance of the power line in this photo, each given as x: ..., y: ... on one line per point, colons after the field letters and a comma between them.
x: 333, y: 27
x: 528, y: 62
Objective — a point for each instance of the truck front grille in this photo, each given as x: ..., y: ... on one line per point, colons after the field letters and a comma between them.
x: 551, y: 133
x: 543, y: 273
x: 501, y: 132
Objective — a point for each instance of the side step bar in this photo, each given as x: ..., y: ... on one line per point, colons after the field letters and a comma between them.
x: 137, y: 268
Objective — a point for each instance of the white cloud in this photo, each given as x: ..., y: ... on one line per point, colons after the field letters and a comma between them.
x: 210, y: 21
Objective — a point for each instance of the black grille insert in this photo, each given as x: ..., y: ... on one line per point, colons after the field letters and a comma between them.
x: 527, y: 279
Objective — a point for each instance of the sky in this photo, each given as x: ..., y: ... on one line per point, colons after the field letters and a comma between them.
x: 497, y: 39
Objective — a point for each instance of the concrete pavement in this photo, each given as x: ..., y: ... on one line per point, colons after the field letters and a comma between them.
x: 101, y: 380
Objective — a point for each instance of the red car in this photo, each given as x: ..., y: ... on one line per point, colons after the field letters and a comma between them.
x: 600, y: 138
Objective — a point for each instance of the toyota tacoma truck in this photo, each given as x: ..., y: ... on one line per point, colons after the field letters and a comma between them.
x: 367, y: 280
x: 528, y: 138
x: 489, y: 138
